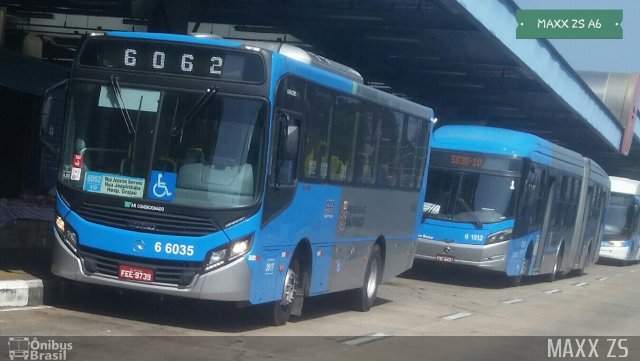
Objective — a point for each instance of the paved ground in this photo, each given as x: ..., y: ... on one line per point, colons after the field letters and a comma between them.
x: 426, y: 301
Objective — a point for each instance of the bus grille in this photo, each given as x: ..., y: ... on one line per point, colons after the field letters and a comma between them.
x: 178, y: 273
x: 145, y: 221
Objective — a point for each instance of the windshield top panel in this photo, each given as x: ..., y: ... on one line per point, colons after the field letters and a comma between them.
x: 138, y: 143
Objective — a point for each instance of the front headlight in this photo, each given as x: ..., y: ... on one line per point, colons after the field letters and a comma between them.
x: 616, y: 243
x: 230, y: 252
x: 67, y: 234
x: 500, y: 236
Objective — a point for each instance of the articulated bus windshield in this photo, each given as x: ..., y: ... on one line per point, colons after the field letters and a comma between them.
x: 470, y: 196
x: 186, y: 148
x: 619, y: 219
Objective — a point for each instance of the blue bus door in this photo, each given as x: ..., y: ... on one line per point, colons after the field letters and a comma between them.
x: 546, y: 232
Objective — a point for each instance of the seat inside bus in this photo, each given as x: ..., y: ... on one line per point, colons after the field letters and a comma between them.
x: 217, y: 177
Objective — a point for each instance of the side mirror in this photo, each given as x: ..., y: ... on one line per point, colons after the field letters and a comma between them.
x: 291, y: 140
x: 45, y: 116
x: 287, y: 154
x: 46, y: 131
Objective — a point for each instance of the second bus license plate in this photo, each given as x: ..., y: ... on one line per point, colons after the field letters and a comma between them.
x: 135, y: 273
x: 445, y: 258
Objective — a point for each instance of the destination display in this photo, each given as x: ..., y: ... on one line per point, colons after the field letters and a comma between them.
x: 175, y: 59
x: 112, y: 184
x: 474, y: 161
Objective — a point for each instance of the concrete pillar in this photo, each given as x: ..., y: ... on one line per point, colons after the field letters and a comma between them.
x: 3, y: 20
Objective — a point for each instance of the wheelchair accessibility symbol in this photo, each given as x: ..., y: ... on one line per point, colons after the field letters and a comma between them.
x: 162, y: 185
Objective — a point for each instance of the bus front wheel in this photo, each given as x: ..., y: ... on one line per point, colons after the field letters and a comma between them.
x: 515, y: 281
x: 279, y: 311
x: 365, y: 296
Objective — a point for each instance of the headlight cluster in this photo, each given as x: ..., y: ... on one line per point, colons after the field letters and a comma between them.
x: 67, y: 234
x: 500, y: 236
x: 616, y: 243
x: 228, y: 253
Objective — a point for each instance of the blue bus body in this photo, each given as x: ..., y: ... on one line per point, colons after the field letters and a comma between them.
x: 622, y: 225
x: 281, y: 216
x: 510, y: 202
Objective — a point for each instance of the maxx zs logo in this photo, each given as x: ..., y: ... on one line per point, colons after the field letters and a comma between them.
x: 25, y: 348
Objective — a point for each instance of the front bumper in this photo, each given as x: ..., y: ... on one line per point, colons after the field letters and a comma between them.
x: 490, y: 257
x: 620, y: 253
x: 231, y: 282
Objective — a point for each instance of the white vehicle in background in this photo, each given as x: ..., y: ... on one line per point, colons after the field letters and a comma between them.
x: 622, y: 226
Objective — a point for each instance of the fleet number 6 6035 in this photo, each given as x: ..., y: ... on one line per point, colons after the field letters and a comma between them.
x: 174, y: 248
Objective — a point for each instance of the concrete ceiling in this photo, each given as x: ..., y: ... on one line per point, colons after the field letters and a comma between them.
x: 430, y: 51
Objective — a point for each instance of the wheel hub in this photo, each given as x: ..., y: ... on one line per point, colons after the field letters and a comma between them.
x: 290, y: 285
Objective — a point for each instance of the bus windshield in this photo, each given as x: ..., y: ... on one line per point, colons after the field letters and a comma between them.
x: 619, y: 217
x: 470, y: 197
x: 187, y: 148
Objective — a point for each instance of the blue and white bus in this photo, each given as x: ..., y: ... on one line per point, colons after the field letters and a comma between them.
x: 253, y: 173
x: 510, y: 202
x: 622, y: 223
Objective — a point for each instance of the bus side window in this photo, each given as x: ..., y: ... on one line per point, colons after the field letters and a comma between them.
x: 367, y: 138
x: 342, y: 142
x: 387, y: 166
x: 316, y: 161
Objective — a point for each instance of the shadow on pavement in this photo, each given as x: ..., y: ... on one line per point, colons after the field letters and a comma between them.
x: 466, y: 276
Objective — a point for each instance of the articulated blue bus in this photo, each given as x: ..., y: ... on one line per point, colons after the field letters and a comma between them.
x: 511, y: 202
x: 622, y: 224
x: 253, y: 173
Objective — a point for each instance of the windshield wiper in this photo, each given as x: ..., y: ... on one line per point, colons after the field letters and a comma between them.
x: 476, y: 221
x: 208, y: 94
x: 120, y: 102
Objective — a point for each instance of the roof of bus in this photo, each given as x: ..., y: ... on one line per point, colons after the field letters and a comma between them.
x: 174, y: 37
x: 497, y: 141
x: 340, y: 76
x: 505, y: 142
x: 625, y: 185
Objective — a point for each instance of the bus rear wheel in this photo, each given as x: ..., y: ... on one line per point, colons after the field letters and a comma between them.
x: 554, y: 274
x: 364, y: 297
x: 279, y: 311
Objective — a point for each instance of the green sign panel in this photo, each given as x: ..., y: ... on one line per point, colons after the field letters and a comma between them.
x: 569, y: 24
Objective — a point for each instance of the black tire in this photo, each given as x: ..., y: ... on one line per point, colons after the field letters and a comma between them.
x: 278, y: 312
x: 64, y: 289
x: 580, y: 271
x: 365, y: 296
x: 514, y: 281
x: 554, y: 274
x: 517, y: 280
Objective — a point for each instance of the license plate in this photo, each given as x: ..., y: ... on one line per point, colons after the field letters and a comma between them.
x: 135, y: 273
x: 445, y: 258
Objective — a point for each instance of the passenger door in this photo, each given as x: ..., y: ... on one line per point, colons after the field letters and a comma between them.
x: 546, y: 233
